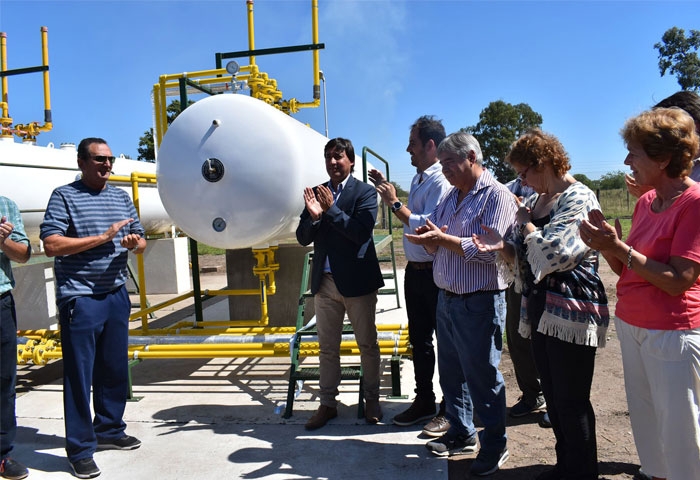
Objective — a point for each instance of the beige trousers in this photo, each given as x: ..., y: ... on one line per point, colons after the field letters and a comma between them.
x: 330, y: 308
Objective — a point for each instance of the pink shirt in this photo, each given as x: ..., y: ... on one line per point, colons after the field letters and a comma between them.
x: 673, y: 232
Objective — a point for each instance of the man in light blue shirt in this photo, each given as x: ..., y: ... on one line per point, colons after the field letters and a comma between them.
x: 14, y: 246
x: 421, y: 294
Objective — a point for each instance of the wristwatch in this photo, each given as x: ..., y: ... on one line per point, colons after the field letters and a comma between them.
x: 396, y: 206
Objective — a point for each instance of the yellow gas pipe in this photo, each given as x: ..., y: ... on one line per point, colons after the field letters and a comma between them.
x: 31, y: 130
x: 5, y: 120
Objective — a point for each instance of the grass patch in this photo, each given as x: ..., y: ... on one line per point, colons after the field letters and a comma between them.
x: 203, y: 249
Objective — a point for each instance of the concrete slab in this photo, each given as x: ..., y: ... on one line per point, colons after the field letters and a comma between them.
x: 222, y: 417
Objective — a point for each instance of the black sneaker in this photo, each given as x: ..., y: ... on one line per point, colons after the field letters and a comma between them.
x: 449, y: 445
x: 486, y: 464
x: 85, y: 468
x: 437, y: 427
x: 12, y: 469
x: 525, y: 407
x: 125, y: 443
x: 417, y: 412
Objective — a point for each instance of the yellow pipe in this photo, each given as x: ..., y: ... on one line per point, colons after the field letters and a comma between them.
x: 316, y: 54
x: 47, y: 90
x: 163, y: 112
x: 157, y: 109
x: 5, y: 121
x: 251, y: 30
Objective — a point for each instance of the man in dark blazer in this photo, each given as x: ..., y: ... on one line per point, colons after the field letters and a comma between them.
x: 339, y: 218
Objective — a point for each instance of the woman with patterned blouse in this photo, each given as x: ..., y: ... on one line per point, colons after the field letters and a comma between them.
x: 564, y: 308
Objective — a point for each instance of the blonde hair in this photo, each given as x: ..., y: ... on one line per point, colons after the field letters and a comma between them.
x: 665, y: 134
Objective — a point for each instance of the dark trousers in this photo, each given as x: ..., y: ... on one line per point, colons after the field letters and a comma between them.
x: 8, y: 374
x: 421, y: 303
x: 566, y: 374
x: 94, y: 340
x: 520, y: 350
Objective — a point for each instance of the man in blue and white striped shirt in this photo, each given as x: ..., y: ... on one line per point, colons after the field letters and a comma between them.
x: 471, y: 304
x: 89, y: 227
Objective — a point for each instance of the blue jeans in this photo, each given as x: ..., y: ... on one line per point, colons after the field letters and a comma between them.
x: 470, y: 341
x: 94, y: 339
x: 8, y: 374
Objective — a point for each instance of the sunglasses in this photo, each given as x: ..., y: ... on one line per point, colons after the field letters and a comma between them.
x: 103, y: 158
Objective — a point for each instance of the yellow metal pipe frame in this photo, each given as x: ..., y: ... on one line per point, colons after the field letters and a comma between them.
x: 251, y: 30
x: 31, y: 130
x: 44, y: 345
x: 41, y: 353
x: 5, y: 120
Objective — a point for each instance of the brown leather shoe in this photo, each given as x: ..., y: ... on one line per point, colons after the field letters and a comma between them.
x: 373, y: 412
x: 321, y: 417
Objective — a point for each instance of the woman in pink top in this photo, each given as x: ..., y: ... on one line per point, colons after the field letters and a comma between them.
x: 658, y: 307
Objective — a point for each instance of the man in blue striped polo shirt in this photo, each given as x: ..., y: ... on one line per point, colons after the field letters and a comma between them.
x: 471, y: 307
x: 90, y: 227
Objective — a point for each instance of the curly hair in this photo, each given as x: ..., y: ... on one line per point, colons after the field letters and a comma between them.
x: 665, y: 134
x: 537, y: 148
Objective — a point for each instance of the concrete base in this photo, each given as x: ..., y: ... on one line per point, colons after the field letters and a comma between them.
x: 282, y: 306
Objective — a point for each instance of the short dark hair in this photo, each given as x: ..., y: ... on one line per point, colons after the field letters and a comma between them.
x: 84, y: 146
x: 341, y: 144
x: 686, y: 100
x: 429, y: 128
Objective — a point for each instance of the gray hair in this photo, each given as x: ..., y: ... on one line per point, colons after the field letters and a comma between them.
x: 460, y: 144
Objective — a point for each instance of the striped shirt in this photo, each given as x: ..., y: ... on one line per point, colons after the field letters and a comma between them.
x: 9, y: 209
x: 487, y: 203
x: 74, y: 210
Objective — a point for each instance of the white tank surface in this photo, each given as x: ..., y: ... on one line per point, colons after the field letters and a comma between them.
x: 232, y: 170
x: 30, y: 173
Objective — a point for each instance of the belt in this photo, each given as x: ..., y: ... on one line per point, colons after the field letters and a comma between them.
x: 420, y: 265
x: 471, y: 294
x: 6, y: 294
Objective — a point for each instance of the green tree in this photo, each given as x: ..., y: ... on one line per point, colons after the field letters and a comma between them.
x: 146, y: 148
x: 612, y: 180
x: 678, y: 55
x: 400, y: 192
x: 585, y: 180
x: 500, y: 124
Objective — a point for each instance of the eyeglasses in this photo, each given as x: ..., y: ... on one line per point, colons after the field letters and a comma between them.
x: 523, y: 174
x: 103, y: 158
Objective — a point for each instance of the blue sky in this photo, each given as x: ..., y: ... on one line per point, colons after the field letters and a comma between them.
x: 585, y: 66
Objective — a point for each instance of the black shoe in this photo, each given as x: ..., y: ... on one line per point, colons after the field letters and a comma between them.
x: 12, y: 469
x: 418, y: 411
x: 525, y: 407
x: 125, y: 443
x: 449, y: 445
x: 544, y: 421
x: 85, y: 468
x: 486, y: 464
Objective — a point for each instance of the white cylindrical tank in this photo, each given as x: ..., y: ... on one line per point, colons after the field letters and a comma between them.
x: 30, y: 173
x: 232, y: 170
